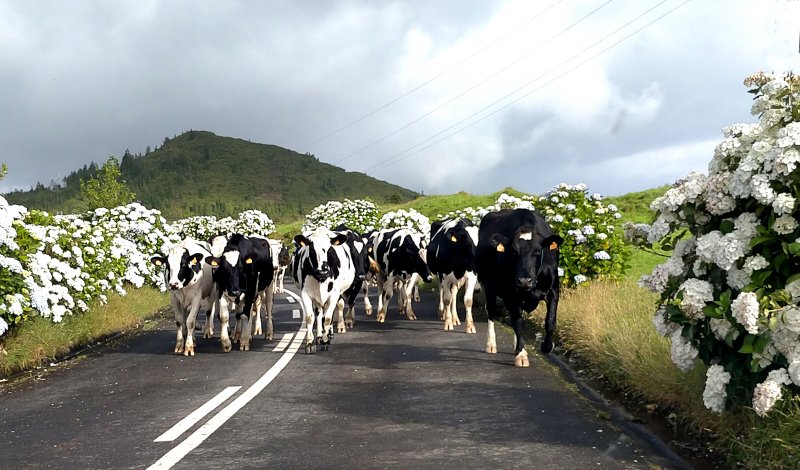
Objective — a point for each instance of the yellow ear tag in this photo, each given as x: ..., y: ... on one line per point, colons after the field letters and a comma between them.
x: 501, y: 248
x: 214, y: 264
x: 336, y: 243
x: 248, y: 261
x: 193, y: 262
x: 553, y: 246
x: 369, y: 249
x: 453, y: 238
x: 302, y: 243
x: 158, y: 262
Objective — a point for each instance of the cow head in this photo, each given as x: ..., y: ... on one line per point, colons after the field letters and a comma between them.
x: 181, y: 268
x: 532, y: 256
x: 228, y: 271
x: 409, y: 254
x: 320, y: 259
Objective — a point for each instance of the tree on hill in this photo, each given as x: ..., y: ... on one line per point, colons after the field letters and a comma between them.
x: 105, y: 189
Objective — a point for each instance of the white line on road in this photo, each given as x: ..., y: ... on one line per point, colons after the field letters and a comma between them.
x: 204, y: 432
x: 295, y: 314
x: 290, y: 299
x: 183, y: 425
x: 283, y: 343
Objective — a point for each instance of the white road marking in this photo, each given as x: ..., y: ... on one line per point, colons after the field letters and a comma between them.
x: 283, y: 343
x: 290, y: 299
x: 183, y: 425
x: 205, y: 431
x: 295, y: 314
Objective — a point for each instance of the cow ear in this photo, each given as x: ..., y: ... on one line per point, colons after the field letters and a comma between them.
x: 158, y: 260
x: 196, y: 258
x: 212, y: 261
x: 553, y: 242
x: 339, y: 239
x: 499, y: 242
x: 300, y: 240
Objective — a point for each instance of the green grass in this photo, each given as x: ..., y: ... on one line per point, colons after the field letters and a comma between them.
x: 40, y: 340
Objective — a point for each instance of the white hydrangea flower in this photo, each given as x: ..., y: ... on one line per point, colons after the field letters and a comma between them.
x: 721, y: 328
x: 783, y: 204
x: 715, y: 392
x: 745, y: 309
x: 696, y: 293
x: 794, y: 372
x: 794, y: 290
x: 768, y: 392
x: 682, y: 352
x: 790, y: 316
x: 784, y: 225
x: 663, y: 326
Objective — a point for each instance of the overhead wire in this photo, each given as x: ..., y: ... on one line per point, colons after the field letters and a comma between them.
x: 473, y: 87
x: 392, y: 160
x: 427, y: 82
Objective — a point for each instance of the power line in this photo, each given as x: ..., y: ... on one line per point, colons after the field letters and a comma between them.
x: 385, y: 163
x: 455, y: 98
x: 423, y: 84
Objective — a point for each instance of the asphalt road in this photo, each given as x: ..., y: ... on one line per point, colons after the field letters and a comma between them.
x: 403, y: 394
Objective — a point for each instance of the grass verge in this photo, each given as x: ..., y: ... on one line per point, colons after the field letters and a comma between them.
x: 39, y: 339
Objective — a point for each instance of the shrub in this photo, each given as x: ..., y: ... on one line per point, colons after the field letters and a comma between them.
x: 359, y: 215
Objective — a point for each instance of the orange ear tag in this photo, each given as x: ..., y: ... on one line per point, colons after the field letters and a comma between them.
x: 501, y: 248
x: 553, y: 246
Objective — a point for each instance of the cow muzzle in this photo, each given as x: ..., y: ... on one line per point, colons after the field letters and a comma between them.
x: 525, y: 283
x: 174, y: 285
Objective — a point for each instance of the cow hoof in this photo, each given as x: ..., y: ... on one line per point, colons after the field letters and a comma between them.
x: 522, y: 359
x: 178, y: 349
x: 457, y: 322
x: 188, y: 352
x: 491, y: 348
x: 268, y: 336
x: 369, y: 311
x: 448, y: 327
x: 257, y: 332
x: 547, y: 346
x: 226, y: 346
x: 441, y: 315
x: 411, y: 315
x: 341, y: 329
x: 471, y: 329
x: 208, y: 334
x: 311, y: 348
x: 381, y: 317
x: 244, y: 346
x: 349, y: 324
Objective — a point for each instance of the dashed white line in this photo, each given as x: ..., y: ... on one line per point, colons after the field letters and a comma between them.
x: 295, y: 314
x: 290, y: 299
x: 183, y: 425
x: 283, y: 343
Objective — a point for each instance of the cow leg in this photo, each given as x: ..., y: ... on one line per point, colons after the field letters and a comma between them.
x: 367, y: 303
x: 180, y: 324
x: 208, y: 328
x: 224, y: 316
x: 409, y: 292
x: 492, y: 314
x: 416, y: 292
x: 256, y: 316
x: 308, y: 310
x: 550, y: 320
x: 469, y: 290
x: 191, y: 319
x: 350, y: 317
x: 453, y: 309
x: 385, y: 291
x: 340, y: 326
x: 327, y: 321
x: 447, y: 293
x: 518, y: 323
x: 441, y: 300
x: 246, y: 331
x: 268, y: 305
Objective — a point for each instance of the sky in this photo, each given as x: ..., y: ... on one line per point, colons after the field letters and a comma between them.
x: 435, y: 96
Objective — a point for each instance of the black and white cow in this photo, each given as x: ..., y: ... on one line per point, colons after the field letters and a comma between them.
x: 361, y: 264
x: 451, y: 258
x: 191, y: 287
x: 280, y: 261
x: 243, y: 271
x: 400, y: 254
x: 518, y: 262
x: 323, y: 268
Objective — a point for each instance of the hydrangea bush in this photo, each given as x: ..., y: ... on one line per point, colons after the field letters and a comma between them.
x: 730, y: 292
x: 359, y: 215
x: 203, y: 227
x: 592, y: 248
x: 55, y: 265
x: 410, y: 218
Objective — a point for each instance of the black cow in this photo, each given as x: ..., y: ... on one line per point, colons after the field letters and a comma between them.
x: 242, y: 271
x: 400, y: 254
x: 361, y: 264
x: 451, y: 258
x: 518, y: 262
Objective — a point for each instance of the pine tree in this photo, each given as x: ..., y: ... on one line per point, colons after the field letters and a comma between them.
x: 105, y: 189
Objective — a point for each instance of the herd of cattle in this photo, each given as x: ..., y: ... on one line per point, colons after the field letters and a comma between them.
x: 513, y: 254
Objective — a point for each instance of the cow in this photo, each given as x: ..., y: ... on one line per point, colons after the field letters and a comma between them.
x: 361, y: 264
x: 517, y: 260
x: 191, y: 287
x: 242, y: 269
x: 322, y: 266
x: 451, y: 258
x: 280, y: 260
x: 400, y: 254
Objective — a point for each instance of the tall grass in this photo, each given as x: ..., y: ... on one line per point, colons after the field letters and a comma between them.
x: 41, y: 340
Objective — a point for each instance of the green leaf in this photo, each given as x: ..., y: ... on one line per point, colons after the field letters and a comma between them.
x: 748, y: 344
x: 726, y: 226
x: 712, y: 312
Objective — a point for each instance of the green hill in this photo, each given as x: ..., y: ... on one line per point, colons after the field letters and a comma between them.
x: 200, y: 173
